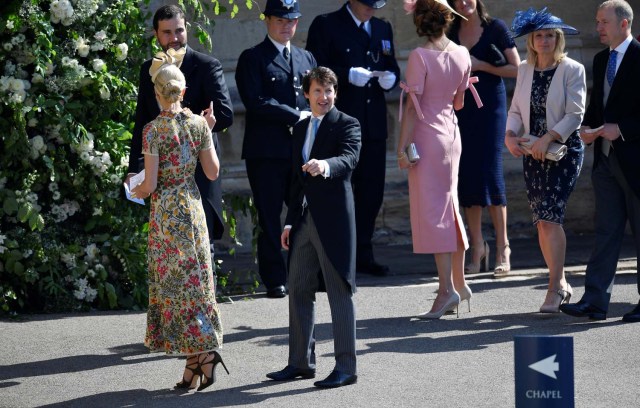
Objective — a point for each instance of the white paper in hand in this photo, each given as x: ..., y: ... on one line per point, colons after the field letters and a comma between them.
x: 133, y: 182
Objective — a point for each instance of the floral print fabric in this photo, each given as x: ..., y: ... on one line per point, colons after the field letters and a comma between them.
x: 183, y: 316
x: 549, y: 183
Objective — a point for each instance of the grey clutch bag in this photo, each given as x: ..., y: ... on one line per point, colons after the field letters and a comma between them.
x: 555, y: 151
x: 412, y: 153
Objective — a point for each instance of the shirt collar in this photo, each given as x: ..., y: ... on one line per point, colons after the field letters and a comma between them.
x: 358, y: 22
x: 280, y: 46
x: 622, y: 48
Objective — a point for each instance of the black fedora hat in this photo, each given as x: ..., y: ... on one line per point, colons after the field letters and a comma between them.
x: 289, y: 9
x: 376, y: 4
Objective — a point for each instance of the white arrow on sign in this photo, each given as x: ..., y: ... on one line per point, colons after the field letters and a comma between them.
x: 547, y: 366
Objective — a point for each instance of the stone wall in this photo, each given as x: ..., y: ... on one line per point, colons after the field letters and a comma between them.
x: 231, y: 36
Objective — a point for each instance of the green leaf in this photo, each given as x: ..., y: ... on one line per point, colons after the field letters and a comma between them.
x: 24, y: 211
x: 10, y: 205
x: 111, y: 295
x: 36, y: 222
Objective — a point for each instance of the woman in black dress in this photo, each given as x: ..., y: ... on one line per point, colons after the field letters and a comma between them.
x: 481, y: 181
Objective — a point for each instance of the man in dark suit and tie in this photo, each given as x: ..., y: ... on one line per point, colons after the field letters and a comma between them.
x: 320, y: 232
x: 612, y: 121
x: 269, y: 80
x: 206, y: 94
x: 358, y: 47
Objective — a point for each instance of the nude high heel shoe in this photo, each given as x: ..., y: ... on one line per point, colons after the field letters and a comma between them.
x: 552, y: 302
x: 465, y: 294
x: 483, y: 263
x: 503, y: 263
x: 452, y: 302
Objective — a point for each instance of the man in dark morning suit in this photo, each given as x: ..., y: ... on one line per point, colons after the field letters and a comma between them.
x: 354, y: 44
x: 269, y: 79
x: 206, y: 94
x: 320, y: 232
x: 615, y: 106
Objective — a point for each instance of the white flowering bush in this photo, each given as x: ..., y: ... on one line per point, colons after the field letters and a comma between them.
x: 68, y: 82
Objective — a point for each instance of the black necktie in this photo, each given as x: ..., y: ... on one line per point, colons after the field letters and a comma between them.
x: 364, y: 30
x: 285, y: 54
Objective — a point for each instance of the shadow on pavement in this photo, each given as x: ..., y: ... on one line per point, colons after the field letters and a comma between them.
x: 79, y: 363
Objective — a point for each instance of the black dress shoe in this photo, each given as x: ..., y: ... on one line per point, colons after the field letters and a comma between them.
x: 583, y: 309
x: 291, y: 373
x: 276, y: 292
x: 633, y: 316
x: 372, y: 268
x: 337, y: 379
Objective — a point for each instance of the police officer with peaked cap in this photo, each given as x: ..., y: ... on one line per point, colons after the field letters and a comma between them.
x: 269, y: 79
x: 359, y: 48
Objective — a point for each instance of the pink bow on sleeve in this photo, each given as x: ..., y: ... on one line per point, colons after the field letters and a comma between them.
x: 411, y: 90
x: 474, y: 92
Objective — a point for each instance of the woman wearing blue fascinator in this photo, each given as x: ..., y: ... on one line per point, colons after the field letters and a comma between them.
x: 545, y: 115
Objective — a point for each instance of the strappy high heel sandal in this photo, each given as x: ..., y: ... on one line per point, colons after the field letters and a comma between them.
x: 483, y: 263
x: 553, y: 306
x: 194, y: 367
x: 208, y: 380
x: 503, y: 264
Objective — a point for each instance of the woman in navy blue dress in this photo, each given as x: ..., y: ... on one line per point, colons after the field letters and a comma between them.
x: 548, y: 103
x: 481, y: 182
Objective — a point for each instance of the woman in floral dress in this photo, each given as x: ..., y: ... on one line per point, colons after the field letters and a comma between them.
x: 183, y: 316
x: 548, y: 102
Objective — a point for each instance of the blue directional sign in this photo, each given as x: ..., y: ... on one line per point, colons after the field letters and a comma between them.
x: 544, y: 371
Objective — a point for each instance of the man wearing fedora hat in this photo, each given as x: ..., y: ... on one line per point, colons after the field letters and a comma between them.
x: 269, y: 79
x: 359, y: 48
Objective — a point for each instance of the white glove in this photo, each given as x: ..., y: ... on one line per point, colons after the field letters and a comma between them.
x: 387, y: 80
x: 359, y: 76
x: 304, y: 115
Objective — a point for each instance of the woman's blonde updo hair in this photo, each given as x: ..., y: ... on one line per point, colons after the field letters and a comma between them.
x: 170, y: 83
x: 431, y: 19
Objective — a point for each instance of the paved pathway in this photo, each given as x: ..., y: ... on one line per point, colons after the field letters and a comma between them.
x: 97, y: 359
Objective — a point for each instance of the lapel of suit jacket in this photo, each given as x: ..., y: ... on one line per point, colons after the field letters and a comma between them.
x: 623, y: 73
x: 276, y: 56
x: 296, y: 60
x: 323, y: 132
x: 189, y: 62
x: 298, y: 142
x: 351, y: 29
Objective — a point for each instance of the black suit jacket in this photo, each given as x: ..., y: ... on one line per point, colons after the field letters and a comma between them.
x: 271, y: 91
x: 205, y: 83
x: 337, y: 43
x: 623, y: 108
x: 330, y: 200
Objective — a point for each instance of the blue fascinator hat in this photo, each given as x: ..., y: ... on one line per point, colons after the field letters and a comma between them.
x: 528, y: 21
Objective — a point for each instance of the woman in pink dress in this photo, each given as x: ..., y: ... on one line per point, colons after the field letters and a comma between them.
x: 436, y: 78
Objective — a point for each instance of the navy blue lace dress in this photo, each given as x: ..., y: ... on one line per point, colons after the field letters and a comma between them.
x: 481, y: 181
x: 549, y: 183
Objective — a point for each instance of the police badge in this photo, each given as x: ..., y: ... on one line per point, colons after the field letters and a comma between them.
x: 288, y: 3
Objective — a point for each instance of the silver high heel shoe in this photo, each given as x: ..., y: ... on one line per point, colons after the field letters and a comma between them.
x: 452, y: 302
x: 465, y: 294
